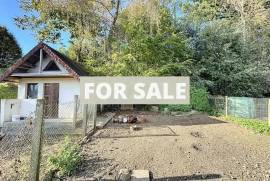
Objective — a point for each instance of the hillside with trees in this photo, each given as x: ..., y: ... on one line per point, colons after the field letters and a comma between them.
x: 222, y: 45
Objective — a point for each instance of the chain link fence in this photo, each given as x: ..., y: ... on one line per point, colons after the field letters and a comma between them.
x: 15, y: 149
x: 19, y: 140
x: 244, y: 107
x: 218, y: 103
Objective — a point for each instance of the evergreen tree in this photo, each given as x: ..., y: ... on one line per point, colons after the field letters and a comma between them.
x: 10, y: 51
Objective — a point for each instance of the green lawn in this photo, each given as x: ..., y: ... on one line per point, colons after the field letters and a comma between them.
x: 257, y: 126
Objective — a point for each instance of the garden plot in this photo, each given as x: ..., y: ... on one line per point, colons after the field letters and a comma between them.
x: 192, y: 147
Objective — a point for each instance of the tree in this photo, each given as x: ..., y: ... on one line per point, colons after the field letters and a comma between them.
x: 146, y: 45
x: 231, y: 44
x: 10, y: 51
x: 222, y: 45
x: 90, y: 23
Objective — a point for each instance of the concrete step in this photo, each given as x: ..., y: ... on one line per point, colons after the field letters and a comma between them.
x: 140, y: 175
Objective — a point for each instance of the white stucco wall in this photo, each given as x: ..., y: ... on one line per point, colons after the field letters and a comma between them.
x: 27, y: 107
x: 9, y: 107
x: 21, y: 107
x: 68, y: 88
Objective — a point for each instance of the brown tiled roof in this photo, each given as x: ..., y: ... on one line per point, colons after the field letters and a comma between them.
x: 71, y: 66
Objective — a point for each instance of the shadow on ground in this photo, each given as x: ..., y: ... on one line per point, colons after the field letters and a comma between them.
x: 92, y: 165
x: 190, y: 177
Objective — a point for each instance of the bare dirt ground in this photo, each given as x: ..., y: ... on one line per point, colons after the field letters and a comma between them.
x: 193, y: 147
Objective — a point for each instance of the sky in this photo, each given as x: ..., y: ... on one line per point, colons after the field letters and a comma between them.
x: 25, y: 38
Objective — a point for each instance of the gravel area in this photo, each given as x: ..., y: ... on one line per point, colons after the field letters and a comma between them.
x: 191, y: 147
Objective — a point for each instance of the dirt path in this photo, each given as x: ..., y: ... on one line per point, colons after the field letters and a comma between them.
x: 180, y: 148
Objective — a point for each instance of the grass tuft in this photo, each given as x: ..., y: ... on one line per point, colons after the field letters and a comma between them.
x: 257, y: 126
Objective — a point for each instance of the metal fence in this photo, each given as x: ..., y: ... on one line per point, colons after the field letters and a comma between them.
x: 15, y: 150
x: 40, y: 136
x: 244, y: 107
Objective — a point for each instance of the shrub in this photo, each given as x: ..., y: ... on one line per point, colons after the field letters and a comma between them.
x: 67, y: 159
x: 8, y: 91
x: 176, y: 107
x: 198, y: 101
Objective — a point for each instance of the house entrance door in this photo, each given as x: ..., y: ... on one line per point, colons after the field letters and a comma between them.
x: 51, y: 97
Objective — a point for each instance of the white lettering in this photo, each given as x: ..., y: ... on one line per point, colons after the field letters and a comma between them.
x: 153, y: 91
x: 88, y: 90
x: 138, y: 88
x: 181, y: 90
x: 119, y: 91
x: 107, y: 88
x: 166, y: 92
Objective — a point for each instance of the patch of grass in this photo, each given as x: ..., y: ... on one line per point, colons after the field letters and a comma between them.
x: 257, y: 126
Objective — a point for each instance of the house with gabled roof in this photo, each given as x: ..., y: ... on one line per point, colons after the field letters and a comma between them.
x: 43, y: 73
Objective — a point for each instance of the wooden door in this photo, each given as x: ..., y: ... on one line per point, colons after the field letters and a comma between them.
x: 51, y: 97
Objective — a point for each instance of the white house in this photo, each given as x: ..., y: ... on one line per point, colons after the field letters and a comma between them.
x: 43, y: 73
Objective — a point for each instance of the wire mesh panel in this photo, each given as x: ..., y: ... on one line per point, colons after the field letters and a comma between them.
x: 241, y: 107
x: 218, y: 103
x: 56, y: 130
x: 17, y: 139
x: 245, y: 107
x: 15, y: 149
x: 261, y: 111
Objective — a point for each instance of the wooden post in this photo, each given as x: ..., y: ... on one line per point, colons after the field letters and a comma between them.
x: 75, y: 111
x: 94, y: 116
x: 37, y: 137
x: 226, y: 106
x: 40, y: 60
x: 101, y: 107
x: 268, y: 112
x: 85, y: 118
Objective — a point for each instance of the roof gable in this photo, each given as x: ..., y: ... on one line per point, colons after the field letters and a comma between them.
x: 51, y: 66
x: 30, y: 59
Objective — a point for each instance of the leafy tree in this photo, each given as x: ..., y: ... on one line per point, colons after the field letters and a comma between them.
x: 147, y: 48
x: 8, y: 91
x: 10, y: 51
x: 222, y: 45
x: 231, y: 44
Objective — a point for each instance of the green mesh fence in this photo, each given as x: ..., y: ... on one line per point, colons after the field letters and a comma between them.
x: 244, y: 107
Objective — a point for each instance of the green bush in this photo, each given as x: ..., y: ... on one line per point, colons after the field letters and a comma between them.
x: 198, y: 101
x: 8, y: 91
x: 176, y: 107
x: 67, y: 159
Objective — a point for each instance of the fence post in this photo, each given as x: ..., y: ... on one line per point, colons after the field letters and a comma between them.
x: 75, y: 111
x: 268, y: 112
x: 37, y: 137
x: 101, y: 107
x: 85, y: 118
x: 226, y: 106
x: 94, y: 116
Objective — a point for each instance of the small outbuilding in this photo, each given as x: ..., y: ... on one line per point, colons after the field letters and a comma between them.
x: 43, y: 73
